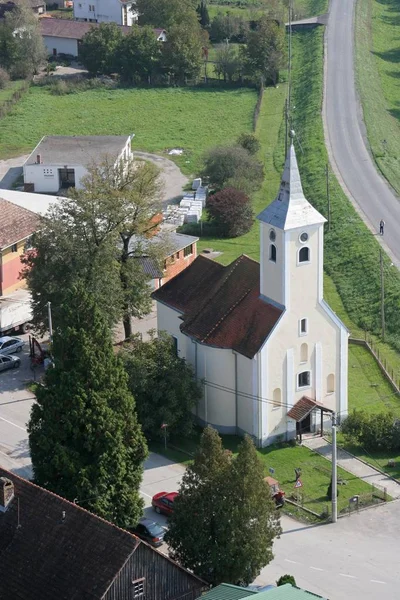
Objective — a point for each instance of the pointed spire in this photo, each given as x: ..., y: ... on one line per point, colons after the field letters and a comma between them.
x: 291, y: 209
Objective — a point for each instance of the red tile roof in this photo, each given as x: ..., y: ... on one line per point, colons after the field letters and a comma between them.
x: 16, y: 223
x: 303, y: 407
x: 221, y: 306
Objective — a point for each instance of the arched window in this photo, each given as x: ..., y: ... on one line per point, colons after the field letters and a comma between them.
x: 330, y: 383
x: 277, y: 398
x: 272, y: 252
x: 303, y: 353
x: 304, y: 254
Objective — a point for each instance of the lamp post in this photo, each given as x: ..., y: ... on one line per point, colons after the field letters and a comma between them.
x: 164, y: 426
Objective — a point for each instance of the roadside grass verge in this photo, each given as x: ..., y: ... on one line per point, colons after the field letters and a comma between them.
x: 190, y: 118
x: 302, y: 9
x: 378, y: 459
x: 377, y: 53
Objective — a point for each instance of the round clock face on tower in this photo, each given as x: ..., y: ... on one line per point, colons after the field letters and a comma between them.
x: 272, y: 235
x: 303, y: 237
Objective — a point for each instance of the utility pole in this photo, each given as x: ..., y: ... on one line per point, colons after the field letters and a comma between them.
x: 286, y: 126
x: 328, y: 196
x: 334, y: 470
x: 288, y: 99
x: 50, y: 321
x: 382, y: 295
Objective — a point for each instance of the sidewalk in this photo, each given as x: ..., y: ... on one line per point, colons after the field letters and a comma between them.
x: 353, y: 465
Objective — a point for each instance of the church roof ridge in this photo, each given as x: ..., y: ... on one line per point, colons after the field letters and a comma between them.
x: 291, y: 209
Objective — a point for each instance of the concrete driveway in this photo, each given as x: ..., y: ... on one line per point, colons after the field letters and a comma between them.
x: 345, y: 132
x: 10, y: 170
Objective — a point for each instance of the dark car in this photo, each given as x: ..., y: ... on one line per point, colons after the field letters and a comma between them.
x: 149, y: 531
x: 163, y: 502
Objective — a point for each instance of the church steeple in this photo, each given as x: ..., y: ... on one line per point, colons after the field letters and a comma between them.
x: 291, y: 209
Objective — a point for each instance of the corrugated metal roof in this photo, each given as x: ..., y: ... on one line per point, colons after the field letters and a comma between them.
x: 226, y: 591
x: 288, y: 592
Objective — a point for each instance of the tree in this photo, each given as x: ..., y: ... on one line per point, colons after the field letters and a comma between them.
x: 249, y: 142
x: 231, y: 211
x: 22, y: 49
x: 230, y: 165
x: 139, y: 55
x: 228, y: 63
x: 84, y: 437
x: 286, y: 579
x: 224, y: 519
x: 99, y: 48
x: 92, y: 236
x: 264, y: 54
x: 182, y: 52
x: 228, y: 27
x: 166, y: 13
x: 202, y: 11
x: 163, y: 384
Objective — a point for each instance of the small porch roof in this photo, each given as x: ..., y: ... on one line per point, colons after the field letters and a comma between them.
x: 303, y: 407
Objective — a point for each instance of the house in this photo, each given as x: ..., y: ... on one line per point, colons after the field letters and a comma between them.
x: 271, y: 352
x: 64, y: 36
x: 283, y: 592
x: 181, y: 251
x: 59, y: 162
x: 120, y: 12
x: 17, y: 224
x: 52, y: 549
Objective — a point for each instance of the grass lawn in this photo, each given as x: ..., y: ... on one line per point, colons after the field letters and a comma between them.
x: 378, y: 72
x: 191, y: 118
x: 62, y: 13
x: 6, y: 93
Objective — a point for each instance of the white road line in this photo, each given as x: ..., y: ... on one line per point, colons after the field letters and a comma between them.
x: 316, y: 569
x: 349, y: 576
x: 377, y: 581
x: 144, y: 494
x: 11, y: 423
x: 292, y: 561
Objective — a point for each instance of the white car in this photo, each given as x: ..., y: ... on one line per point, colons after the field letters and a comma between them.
x: 8, y: 344
x: 9, y: 362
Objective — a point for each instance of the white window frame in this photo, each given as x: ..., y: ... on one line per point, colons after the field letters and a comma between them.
x: 303, y: 262
x: 138, y: 588
x: 303, y: 387
x: 303, y: 333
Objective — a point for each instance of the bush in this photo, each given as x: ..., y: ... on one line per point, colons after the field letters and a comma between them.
x: 286, y: 579
x: 380, y: 431
x: 231, y: 210
x: 232, y: 166
x: 249, y: 142
x: 4, y: 78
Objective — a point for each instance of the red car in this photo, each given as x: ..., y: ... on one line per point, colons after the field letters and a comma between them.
x: 163, y: 502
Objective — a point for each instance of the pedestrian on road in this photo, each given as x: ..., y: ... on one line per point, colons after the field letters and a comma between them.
x: 381, y: 226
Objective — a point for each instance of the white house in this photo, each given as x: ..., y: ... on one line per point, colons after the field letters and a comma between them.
x: 59, y: 162
x: 270, y: 351
x: 105, y: 11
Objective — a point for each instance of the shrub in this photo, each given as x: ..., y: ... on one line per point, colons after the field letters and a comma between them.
x: 286, y: 579
x: 230, y: 209
x: 224, y: 165
x: 4, y: 78
x: 380, y: 431
x: 249, y: 142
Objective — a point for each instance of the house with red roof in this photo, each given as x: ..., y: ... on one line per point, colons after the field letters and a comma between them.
x: 270, y: 352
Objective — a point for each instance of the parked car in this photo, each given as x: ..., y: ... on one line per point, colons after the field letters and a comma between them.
x: 149, y: 531
x: 8, y: 344
x: 9, y: 362
x: 163, y: 502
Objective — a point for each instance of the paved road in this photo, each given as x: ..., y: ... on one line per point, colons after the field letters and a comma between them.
x: 344, y: 131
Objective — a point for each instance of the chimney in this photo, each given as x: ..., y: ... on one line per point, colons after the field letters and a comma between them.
x: 39, y: 159
x: 6, y: 493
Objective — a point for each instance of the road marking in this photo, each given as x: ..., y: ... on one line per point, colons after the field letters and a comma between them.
x: 292, y: 561
x: 349, y: 576
x: 316, y: 569
x: 11, y: 423
x: 377, y: 581
x: 144, y: 494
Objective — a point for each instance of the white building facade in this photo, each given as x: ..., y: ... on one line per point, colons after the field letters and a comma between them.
x: 273, y: 359
x: 105, y: 11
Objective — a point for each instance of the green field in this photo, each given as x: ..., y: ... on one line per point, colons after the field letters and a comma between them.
x: 250, y: 11
x: 378, y: 73
x: 191, y: 118
x: 7, y: 92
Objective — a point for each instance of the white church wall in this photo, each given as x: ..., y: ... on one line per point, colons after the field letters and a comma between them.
x: 247, y: 396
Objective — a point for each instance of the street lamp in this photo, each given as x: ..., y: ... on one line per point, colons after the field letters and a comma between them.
x: 164, y: 426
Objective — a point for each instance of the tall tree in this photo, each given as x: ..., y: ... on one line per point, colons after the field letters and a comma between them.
x: 231, y: 210
x: 139, y: 55
x: 100, y: 47
x: 84, y: 437
x: 92, y: 235
x: 224, y: 520
x: 202, y: 11
x: 232, y: 166
x: 163, y: 384
x: 182, y: 52
x: 228, y: 63
x: 264, y: 54
x: 166, y: 13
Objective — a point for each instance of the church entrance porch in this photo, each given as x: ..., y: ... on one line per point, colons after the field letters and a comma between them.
x: 303, y: 411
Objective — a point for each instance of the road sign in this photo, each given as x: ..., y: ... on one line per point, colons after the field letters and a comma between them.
x: 298, y: 484
x: 271, y: 470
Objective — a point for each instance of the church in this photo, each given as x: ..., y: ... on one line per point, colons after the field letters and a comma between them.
x: 270, y: 352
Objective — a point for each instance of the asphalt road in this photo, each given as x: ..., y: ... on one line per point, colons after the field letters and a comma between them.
x: 344, y: 132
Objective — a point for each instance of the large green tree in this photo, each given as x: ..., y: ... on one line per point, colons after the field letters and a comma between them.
x: 224, y: 519
x: 84, y: 436
x: 163, y: 384
x: 100, y: 47
x: 92, y: 236
x: 166, y: 13
x: 183, y: 51
x: 232, y: 166
x: 265, y: 51
x: 139, y: 55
